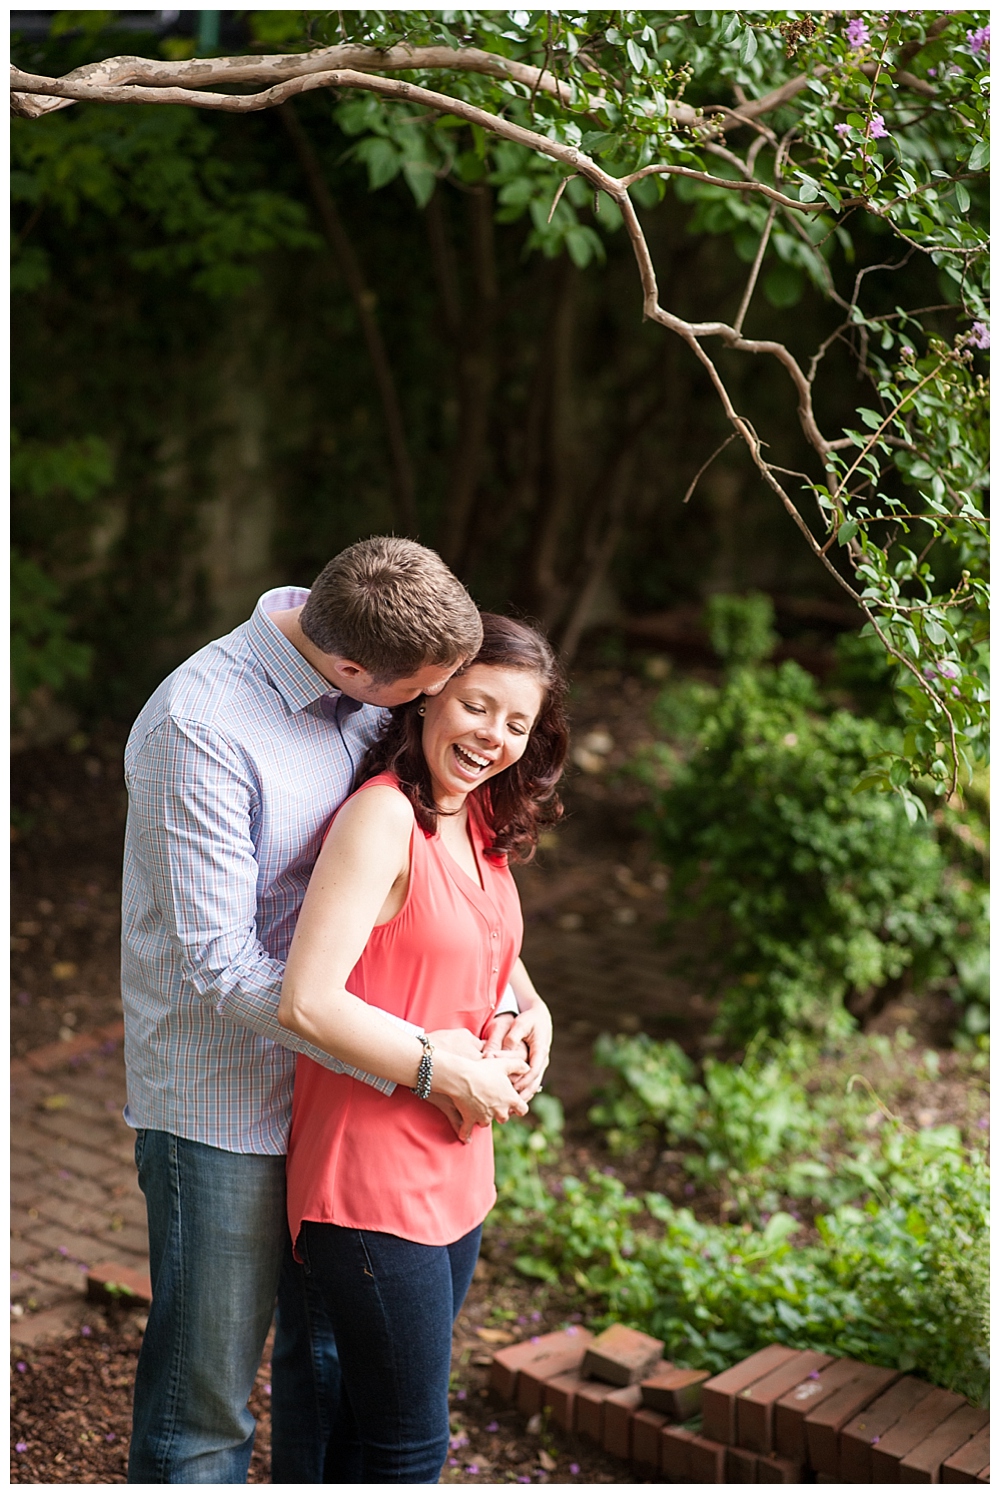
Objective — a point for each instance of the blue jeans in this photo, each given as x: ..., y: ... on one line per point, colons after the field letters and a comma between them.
x: 219, y: 1253
x: 392, y: 1304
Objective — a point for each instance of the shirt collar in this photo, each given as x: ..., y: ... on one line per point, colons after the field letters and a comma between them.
x: 293, y: 677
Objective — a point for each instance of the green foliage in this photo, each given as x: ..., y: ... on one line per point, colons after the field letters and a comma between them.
x: 42, y: 652
x: 741, y: 628
x: 826, y: 892
x: 894, y: 1273
x: 178, y: 206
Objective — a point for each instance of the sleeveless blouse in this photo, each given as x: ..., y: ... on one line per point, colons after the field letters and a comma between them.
x: 392, y: 1162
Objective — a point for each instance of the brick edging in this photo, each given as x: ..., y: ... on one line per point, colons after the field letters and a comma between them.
x: 54, y: 1055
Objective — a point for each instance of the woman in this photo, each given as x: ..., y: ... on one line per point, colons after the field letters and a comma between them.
x: 412, y: 908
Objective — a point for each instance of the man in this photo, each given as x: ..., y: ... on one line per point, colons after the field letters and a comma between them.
x: 234, y: 768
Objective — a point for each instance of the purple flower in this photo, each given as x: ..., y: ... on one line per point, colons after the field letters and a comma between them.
x: 842, y: 130
x: 524, y: 1478
x: 63, y: 1250
x: 877, y: 129
x: 267, y: 1390
x: 452, y: 1462
x: 983, y: 1123
x: 460, y: 1395
x: 932, y: 72
x: 906, y: 351
x: 20, y: 1447
x: 979, y: 41
x: 949, y: 671
x: 980, y: 335
x: 21, y: 1367
x: 858, y: 34
x: 472, y: 1467
x: 85, y: 1330
x: 493, y: 1426
x: 110, y: 1436
x: 536, y: 1317
x: 461, y: 1440
x: 574, y: 1468
x: 955, y: 691
x: 533, y: 1339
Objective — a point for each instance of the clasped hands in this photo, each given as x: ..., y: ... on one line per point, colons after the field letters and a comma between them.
x: 501, y: 1072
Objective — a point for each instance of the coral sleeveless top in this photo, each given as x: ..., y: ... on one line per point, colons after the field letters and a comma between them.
x: 393, y: 1163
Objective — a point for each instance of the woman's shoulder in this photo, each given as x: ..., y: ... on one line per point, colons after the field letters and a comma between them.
x: 378, y: 804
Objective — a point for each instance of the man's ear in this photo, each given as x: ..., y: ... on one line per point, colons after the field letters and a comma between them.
x: 349, y: 669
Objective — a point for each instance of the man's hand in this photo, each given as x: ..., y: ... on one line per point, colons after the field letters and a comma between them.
x: 530, y: 1033
x: 457, y: 1040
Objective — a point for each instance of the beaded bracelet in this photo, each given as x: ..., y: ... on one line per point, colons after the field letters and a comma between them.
x: 422, y: 1088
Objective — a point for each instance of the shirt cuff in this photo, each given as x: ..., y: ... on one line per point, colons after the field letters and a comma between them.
x: 507, y: 1003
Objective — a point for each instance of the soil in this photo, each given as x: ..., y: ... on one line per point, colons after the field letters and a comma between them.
x: 593, y: 905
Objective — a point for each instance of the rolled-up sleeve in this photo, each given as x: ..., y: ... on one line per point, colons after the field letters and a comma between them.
x: 194, y: 802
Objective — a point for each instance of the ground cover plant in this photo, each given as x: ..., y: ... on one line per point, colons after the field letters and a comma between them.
x: 843, y: 1228
x: 826, y: 893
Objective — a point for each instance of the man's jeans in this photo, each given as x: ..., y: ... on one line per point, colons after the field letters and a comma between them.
x: 392, y: 1304
x: 218, y: 1244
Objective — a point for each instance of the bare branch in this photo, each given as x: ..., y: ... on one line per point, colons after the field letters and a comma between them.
x: 755, y: 269
x: 705, y: 466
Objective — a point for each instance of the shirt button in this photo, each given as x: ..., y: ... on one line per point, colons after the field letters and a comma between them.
x: 496, y: 969
x: 493, y: 935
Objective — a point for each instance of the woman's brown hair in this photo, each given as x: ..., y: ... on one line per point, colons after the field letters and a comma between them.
x: 519, y: 802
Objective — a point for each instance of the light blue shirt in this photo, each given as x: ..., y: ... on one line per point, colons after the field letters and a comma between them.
x: 233, y: 768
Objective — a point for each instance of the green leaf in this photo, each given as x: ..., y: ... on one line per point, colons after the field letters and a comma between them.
x: 808, y: 190
x: 962, y: 199
x: 846, y: 532
x: 748, y: 46
x: 980, y: 157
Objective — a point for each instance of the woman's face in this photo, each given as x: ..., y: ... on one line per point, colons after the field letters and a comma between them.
x: 478, y: 726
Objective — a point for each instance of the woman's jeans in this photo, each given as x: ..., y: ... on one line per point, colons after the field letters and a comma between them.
x: 392, y: 1304
x: 219, y: 1252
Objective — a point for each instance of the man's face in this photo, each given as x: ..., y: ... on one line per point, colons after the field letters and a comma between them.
x: 430, y: 680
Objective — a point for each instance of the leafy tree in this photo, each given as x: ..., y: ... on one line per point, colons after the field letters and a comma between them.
x: 792, y: 133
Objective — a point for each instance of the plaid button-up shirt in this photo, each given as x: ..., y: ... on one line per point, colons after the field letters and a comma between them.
x: 234, y: 769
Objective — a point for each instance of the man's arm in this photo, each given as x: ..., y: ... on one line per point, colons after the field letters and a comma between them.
x: 194, y: 802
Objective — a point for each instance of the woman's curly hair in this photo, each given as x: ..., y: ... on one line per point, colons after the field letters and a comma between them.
x: 518, y: 803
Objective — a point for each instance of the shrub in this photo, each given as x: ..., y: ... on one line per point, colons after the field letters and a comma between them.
x: 824, y: 893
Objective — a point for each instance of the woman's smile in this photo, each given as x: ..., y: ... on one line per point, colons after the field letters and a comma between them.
x: 478, y: 726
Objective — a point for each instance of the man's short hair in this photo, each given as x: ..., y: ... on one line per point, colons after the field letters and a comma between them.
x: 393, y: 607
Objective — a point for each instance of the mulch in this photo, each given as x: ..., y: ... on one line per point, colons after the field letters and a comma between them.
x: 71, y: 1403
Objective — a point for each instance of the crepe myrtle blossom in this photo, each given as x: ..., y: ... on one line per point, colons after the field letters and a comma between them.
x: 858, y: 34
x: 979, y: 41
x: 842, y: 130
x: 877, y: 129
x: 980, y: 335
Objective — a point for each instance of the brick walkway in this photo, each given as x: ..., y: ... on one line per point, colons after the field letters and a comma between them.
x: 74, y: 1198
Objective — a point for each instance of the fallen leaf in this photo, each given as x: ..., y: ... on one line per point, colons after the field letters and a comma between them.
x: 55, y: 1102
x: 63, y: 970
x: 547, y: 1461
x: 495, y: 1335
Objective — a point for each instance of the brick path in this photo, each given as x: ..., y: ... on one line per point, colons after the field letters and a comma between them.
x: 74, y: 1197
x: 75, y: 1201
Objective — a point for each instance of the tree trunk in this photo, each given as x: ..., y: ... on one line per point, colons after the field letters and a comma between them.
x: 404, y: 487
x: 475, y: 361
